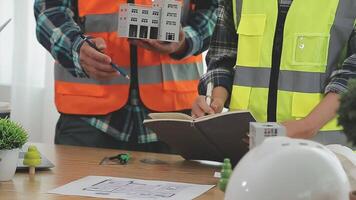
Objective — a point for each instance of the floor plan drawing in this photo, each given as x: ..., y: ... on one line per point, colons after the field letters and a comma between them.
x: 131, y: 189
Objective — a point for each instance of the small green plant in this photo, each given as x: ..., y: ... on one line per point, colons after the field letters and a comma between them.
x: 347, y: 111
x: 226, y: 171
x: 12, y: 135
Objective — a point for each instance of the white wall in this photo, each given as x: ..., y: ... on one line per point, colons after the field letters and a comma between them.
x: 5, y: 93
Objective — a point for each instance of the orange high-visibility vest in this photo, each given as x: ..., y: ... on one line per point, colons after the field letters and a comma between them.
x: 165, y: 84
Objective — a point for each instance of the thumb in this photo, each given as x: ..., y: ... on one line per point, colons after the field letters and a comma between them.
x: 216, y: 106
x: 100, y: 43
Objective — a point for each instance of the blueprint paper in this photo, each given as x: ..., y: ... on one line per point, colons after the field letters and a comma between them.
x: 131, y: 189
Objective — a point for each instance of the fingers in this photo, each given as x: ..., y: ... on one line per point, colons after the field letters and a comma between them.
x: 154, y: 45
x: 217, y: 105
x: 96, y: 64
x: 97, y: 74
x: 162, y: 47
x: 200, y: 107
x: 94, y: 54
x: 87, y: 60
x: 99, y: 43
x: 181, y: 35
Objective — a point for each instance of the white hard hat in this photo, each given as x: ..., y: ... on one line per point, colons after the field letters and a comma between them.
x: 288, y: 169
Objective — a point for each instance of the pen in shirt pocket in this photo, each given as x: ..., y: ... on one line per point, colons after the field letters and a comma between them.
x: 122, y: 72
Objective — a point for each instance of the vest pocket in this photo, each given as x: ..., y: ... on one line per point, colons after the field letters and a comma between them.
x: 304, y: 103
x: 250, y: 31
x: 77, y: 90
x: 310, y: 49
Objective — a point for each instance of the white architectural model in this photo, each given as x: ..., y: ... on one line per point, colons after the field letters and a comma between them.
x: 260, y: 131
x: 161, y: 21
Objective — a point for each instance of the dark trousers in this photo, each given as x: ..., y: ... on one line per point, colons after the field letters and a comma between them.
x: 72, y: 130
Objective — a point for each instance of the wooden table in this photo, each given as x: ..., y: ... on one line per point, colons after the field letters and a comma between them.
x: 73, y: 163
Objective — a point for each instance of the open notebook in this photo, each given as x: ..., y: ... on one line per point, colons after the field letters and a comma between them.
x: 212, y: 137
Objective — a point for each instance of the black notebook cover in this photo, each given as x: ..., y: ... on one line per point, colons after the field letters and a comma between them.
x: 212, y: 137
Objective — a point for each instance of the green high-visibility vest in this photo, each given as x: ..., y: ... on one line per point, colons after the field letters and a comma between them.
x: 315, y: 34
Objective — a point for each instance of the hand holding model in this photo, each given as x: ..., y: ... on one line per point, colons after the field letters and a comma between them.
x: 94, y: 63
x: 162, y: 47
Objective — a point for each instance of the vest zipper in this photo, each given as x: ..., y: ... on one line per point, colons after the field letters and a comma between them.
x: 276, y: 62
x: 133, y: 138
x: 133, y: 65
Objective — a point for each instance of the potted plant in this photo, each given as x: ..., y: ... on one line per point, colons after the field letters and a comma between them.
x: 347, y: 112
x: 347, y: 118
x: 12, y: 137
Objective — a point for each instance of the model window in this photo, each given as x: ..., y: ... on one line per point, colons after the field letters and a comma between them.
x: 134, y: 11
x: 144, y: 20
x: 153, y: 33
x: 172, y: 6
x: 154, y: 21
x: 173, y: 23
x: 133, y: 31
x: 172, y: 14
x: 143, y: 31
x: 170, y: 36
x: 145, y: 12
x: 155, y: 13
x: 134, y: 19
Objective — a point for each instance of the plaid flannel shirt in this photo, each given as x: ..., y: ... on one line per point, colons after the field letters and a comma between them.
x: 58, y: 32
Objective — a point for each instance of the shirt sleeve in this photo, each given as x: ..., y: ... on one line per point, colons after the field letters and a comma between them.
x: 222, y: 54
x: 199, y: 28
x: 57, y: 31
x: 340, y: 77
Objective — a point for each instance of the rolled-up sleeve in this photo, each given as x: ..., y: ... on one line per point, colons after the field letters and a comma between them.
x: 340, y: 77
x: 221, y: 57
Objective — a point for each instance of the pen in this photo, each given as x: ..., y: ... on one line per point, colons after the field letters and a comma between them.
x: 209, y: 92
x: 91, y: 44
x: 6, y: 23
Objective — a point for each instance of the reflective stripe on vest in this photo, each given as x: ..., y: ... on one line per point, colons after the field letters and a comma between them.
x: 150, y: 75
x: 173, y: 82
x: 312, y: 46
x: 101, y: 23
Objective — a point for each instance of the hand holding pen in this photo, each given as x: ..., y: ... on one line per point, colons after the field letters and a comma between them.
x: 95, y: 63
x: 210, y: 103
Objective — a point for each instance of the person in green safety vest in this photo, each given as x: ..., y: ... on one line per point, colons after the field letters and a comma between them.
x: 284, y: 60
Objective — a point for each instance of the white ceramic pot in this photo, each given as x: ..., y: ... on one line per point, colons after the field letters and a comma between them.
x: 8, y: 163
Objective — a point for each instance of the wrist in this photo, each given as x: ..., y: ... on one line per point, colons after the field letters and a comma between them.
x: 310, y: 127
x: 77, y: 44
x: 220, y: 93
x: 182, y: 48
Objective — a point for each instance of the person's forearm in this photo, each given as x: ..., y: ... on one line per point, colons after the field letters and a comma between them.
x: 309, y: 126
x: 57, y: 31
x: 220, y: 93
x: 325, y: 111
